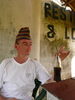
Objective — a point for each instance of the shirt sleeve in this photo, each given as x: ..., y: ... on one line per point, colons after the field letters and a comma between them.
x: 1, y: 74
x: 41, y: 73
x: 73, y: 67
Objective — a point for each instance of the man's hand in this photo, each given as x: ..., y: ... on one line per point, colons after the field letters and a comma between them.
x: 12, y: 99
x: 3, y: 98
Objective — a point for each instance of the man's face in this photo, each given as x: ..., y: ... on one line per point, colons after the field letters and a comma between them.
x: 24, y: 47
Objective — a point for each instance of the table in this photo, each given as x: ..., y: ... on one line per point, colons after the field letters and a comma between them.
x: 63, y: 90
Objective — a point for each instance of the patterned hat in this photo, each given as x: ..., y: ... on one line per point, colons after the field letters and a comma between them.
x: 24, y: 33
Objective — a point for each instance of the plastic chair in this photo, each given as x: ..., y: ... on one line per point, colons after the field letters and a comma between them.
x: 42, y: 93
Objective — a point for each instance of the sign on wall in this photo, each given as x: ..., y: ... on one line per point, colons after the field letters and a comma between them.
x: 58, y: 13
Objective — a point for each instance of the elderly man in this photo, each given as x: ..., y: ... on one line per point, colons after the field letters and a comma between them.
x: 17, y: 74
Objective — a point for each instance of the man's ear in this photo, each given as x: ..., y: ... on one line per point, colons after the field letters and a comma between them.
x: 15, y: 46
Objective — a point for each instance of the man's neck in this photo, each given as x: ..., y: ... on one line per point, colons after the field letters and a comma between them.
x: 21, y: 59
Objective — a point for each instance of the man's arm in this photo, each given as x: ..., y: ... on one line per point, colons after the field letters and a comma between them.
x: 3, y: 98
x: 50, y: 80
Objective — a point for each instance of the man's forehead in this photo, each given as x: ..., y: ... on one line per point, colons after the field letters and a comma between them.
x: 25, y: 41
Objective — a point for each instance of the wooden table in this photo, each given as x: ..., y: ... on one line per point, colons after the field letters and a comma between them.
x: 64, y: 90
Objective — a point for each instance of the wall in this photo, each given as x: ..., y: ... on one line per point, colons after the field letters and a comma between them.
x: 15, y: 14
x: 56, y: 29
x: 36, y: 6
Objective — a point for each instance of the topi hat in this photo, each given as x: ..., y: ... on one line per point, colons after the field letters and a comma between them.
x: 24, y: 33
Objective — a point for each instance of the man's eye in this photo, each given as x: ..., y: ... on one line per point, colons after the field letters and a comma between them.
x: 27, y: 44
x: 30, y: 44
x: 24, y: 44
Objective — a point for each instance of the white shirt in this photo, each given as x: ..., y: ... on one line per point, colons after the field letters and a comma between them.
x: 17, y: 80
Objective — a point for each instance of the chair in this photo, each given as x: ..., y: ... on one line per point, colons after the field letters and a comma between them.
x: 42, y: 93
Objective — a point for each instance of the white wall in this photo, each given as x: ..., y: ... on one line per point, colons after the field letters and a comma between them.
x: 15, y: 14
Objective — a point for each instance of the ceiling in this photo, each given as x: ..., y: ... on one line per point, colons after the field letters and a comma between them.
x: 70, y: 3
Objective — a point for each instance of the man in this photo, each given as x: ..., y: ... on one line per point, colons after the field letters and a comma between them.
x: 17, y: 74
